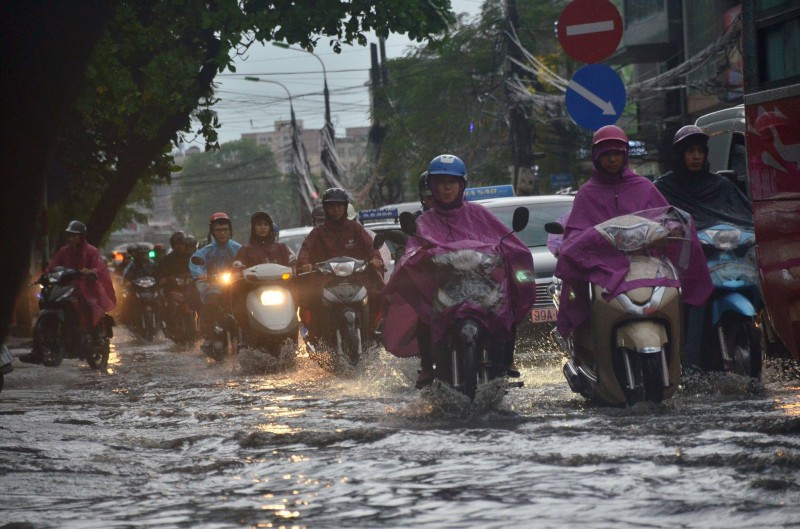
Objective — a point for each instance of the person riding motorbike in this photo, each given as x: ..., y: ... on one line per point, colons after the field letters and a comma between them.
x: 425, y: 194
x: 710, y: 199
x: 215, y: 257
x: 409, y: 295
x: 95, y: 291
x: 262, y: 247
x: 140, y: 266
x: 176, y: 262
x: 613, y: 190
x: 317, y: 215
x: 338, y: 236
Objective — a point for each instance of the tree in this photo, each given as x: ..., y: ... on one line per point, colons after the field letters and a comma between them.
x: 451, y: 98
x: 153, y: 71
x: 240, y: 178
x: 45, y: 47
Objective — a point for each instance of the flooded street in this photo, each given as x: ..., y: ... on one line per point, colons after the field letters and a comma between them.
x: 165, y: 440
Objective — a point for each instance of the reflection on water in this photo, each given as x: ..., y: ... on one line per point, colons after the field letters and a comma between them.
x: 166, y: 440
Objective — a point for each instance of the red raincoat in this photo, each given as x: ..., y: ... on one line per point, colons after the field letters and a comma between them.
x: 96, y: 295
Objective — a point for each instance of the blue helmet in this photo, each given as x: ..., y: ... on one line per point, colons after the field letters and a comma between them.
x: 448, y: 164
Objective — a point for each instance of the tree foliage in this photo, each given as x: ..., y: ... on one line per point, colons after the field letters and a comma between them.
x: 154, y: 69
x: 239, y: 178
x: 451, y: 98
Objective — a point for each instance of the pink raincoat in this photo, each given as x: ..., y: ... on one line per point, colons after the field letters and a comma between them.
x: 499, y: 295
x: 98, y: 295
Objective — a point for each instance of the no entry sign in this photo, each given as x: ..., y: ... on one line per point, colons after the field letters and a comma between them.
x: 590, y: 30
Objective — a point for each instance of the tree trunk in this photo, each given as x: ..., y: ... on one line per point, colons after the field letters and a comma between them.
x: 134, y: 161
x: 46, y: 46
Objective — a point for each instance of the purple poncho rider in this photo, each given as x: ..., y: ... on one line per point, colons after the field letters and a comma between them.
x: 416, y: 318
x: 612, y: 191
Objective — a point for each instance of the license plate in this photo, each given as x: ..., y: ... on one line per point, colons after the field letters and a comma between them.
x: 546, y: 315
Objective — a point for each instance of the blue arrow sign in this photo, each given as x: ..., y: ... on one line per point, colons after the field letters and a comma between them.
x: 561, y: 179
x: 595, y: 96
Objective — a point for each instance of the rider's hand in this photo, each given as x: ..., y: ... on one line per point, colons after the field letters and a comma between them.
x: 202, y: 277
x: 377, y: 263
x: 88, y: 272
x: 304, y: 269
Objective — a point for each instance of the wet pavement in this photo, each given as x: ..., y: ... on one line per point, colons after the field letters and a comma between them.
x: 164, y: 439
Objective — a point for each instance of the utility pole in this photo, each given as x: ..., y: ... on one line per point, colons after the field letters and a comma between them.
x: 520, y: 129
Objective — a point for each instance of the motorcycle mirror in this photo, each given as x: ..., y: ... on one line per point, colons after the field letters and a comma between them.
x: 408, y: 223
x: 196, y: 259
x: 520, y: 220
x: 238, y: 265
x: 378, y: 241
x: 554, y: 228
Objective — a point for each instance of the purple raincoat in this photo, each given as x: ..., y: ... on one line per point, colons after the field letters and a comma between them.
x: 493, y: 284
x: 587, y: 256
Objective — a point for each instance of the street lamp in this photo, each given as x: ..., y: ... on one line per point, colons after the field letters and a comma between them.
x: 328, y: 136
x: 305, y: 186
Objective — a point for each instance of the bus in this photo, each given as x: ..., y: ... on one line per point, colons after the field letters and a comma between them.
x: 771, y: 56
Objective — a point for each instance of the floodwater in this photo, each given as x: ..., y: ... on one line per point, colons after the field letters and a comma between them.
x: 165, y: 440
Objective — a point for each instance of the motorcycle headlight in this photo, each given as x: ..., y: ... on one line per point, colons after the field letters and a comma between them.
x: 225, y: 278
x: 725, y: 239
x: 344, y: 269
x: 145, y: 282
x: 272, y: 297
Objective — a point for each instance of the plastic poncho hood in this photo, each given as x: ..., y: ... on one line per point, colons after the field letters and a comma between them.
x: 455, y: 269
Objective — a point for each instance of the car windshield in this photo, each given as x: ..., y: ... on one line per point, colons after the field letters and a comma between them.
x: 540, y: 214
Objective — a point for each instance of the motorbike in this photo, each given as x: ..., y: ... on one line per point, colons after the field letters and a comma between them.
x: 225, y: 331
x: 271, y: 309
x: 345, y: 326
x: 5, y: 364
x: 469, y: 356
x: 734, y: 303
x: 180, y: 320
x: 629, y: 350
x: 143, y: 301
x: 57, y: 333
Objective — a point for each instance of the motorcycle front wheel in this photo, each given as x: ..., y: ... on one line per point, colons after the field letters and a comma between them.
x: 149, y: 322
x: 653, y: 377
x: 99, y: 351
x: 48, y: 337
x: 348, y: 342
x: 744, y: 344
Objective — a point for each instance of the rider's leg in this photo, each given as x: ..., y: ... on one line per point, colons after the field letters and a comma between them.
x: 425, y: 376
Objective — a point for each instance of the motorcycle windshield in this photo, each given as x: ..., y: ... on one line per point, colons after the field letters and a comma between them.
x: 468, y: 277
x: 664, y: 236
x: 731, y: 255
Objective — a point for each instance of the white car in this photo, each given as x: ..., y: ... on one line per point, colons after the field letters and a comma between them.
x: 543, y: 209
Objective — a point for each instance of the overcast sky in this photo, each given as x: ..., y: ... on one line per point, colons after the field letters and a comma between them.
x: 248, y: 106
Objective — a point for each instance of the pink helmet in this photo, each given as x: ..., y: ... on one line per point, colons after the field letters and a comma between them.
x: 609, y: 133
x: 609, y: 138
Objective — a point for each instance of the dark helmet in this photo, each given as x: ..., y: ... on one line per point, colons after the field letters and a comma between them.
x: 448, y: 164
x: 178, y: 237
x: 191, y: 243
x: 76, y: 226
x: 688, y: 135
x: 260, y: 215
x: 423, y: 187
x: 137, y: 249
x: 335, y: 194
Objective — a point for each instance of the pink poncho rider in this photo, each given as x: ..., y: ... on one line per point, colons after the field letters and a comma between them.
x: 413, y: 324
x: 612, y: 191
